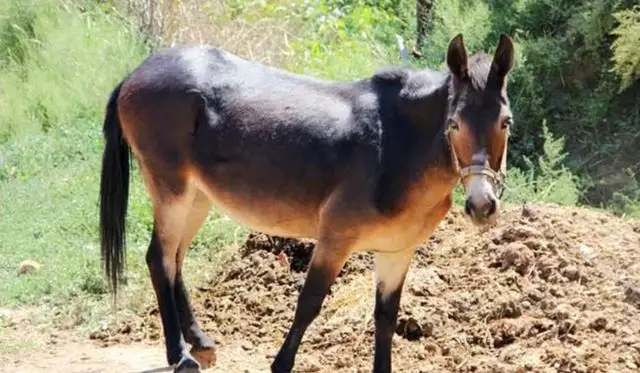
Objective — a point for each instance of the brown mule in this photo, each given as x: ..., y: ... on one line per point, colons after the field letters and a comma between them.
x: 368, y: 165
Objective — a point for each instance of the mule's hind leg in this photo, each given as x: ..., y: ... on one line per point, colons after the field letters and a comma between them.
x: 328, y: 259
x: 170, y: 214
x: 391, y: 269
x: 203, y: 347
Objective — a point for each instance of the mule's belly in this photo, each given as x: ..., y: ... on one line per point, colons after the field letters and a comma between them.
x: 272, y: 220
x: 261, y: 210
x: 298, y: 211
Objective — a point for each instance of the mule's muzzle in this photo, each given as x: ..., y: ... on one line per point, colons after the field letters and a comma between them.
x: 482, y: 194
x: 482, y: 209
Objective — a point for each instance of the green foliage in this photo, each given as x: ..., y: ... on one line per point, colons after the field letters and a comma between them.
x: 626, y: 55
x: 344, y: 40
x: 624, y: 205
x: 16, y: 30
x: 59, y: 64
x: 546, y: 179
x: 626, y: 200
x: 54, y: 82
x: 471, y: 18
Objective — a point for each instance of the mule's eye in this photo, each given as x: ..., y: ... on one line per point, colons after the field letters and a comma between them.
x: 507, y: 122
x: 453, y: 125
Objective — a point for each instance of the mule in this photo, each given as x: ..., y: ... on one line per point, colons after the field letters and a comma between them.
x: 368, y: 165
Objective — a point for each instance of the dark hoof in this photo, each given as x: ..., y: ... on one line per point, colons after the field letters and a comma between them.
x: 280, y: 368
x: 206, y: 356
x: 187, y: 365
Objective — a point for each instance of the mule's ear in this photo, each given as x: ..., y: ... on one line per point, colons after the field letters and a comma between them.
x: 457, y: 57
x: 504, y: 57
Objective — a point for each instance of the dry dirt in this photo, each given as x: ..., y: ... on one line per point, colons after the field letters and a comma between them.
x: 548, y: 289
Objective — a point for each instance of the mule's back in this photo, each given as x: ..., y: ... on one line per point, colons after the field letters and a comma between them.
x: 267, y: 145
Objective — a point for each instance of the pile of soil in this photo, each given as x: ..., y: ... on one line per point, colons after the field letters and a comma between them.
x: 548, y: 289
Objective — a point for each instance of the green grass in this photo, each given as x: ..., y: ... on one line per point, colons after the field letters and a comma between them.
x: 59, y: 65
x: 50, y: 214
x: 14, y: 346
x: 54, y: 83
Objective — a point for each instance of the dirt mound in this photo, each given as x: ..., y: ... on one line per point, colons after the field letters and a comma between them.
x: 547, y: 290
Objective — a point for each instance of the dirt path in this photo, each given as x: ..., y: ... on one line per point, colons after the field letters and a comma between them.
x: 29, y: 348
x: 81, y: 358
x: 130, y: 358
x: 26, y: 347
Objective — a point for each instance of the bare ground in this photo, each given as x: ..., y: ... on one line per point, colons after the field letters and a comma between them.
x: 547, y: 290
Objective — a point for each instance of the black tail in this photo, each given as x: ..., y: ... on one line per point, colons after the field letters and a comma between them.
x: 114, y: 193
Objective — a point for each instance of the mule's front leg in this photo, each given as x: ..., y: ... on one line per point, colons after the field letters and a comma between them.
x: 328, y: 259
x: 391, y: 269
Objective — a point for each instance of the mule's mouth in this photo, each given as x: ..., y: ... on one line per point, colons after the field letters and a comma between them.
x: 484, y: 221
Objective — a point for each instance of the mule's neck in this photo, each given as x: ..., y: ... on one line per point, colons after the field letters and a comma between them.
x: 434, y: 169
x: 426, y: 118
x: 413, y: 146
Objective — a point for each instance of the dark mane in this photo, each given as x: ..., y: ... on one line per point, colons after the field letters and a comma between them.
x: 391, y: 75
x: 479, y: 66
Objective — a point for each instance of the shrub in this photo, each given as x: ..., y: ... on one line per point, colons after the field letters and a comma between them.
x: 545, y: 179
x: 626, y: 56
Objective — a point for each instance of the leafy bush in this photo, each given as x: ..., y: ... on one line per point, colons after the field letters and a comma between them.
x: 545, y: 179
x: 472, y: 18
x: 344, y: 40
x: 626, y: 56
x: 624, y: 205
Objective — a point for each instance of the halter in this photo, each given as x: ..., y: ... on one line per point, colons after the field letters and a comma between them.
x: 498, y: 178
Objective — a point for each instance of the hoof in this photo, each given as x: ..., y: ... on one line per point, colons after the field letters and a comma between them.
x: 187, y: 365
x: 206, y: 356
x: 280, y: 368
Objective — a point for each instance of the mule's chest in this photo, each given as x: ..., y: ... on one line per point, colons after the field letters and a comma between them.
x: 409, y: 228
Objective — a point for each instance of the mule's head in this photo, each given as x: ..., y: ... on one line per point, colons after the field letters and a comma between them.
x: 478, y: 124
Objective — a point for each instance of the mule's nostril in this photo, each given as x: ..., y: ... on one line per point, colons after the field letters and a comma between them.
x: 491, y: 209
x: 467, y: 207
